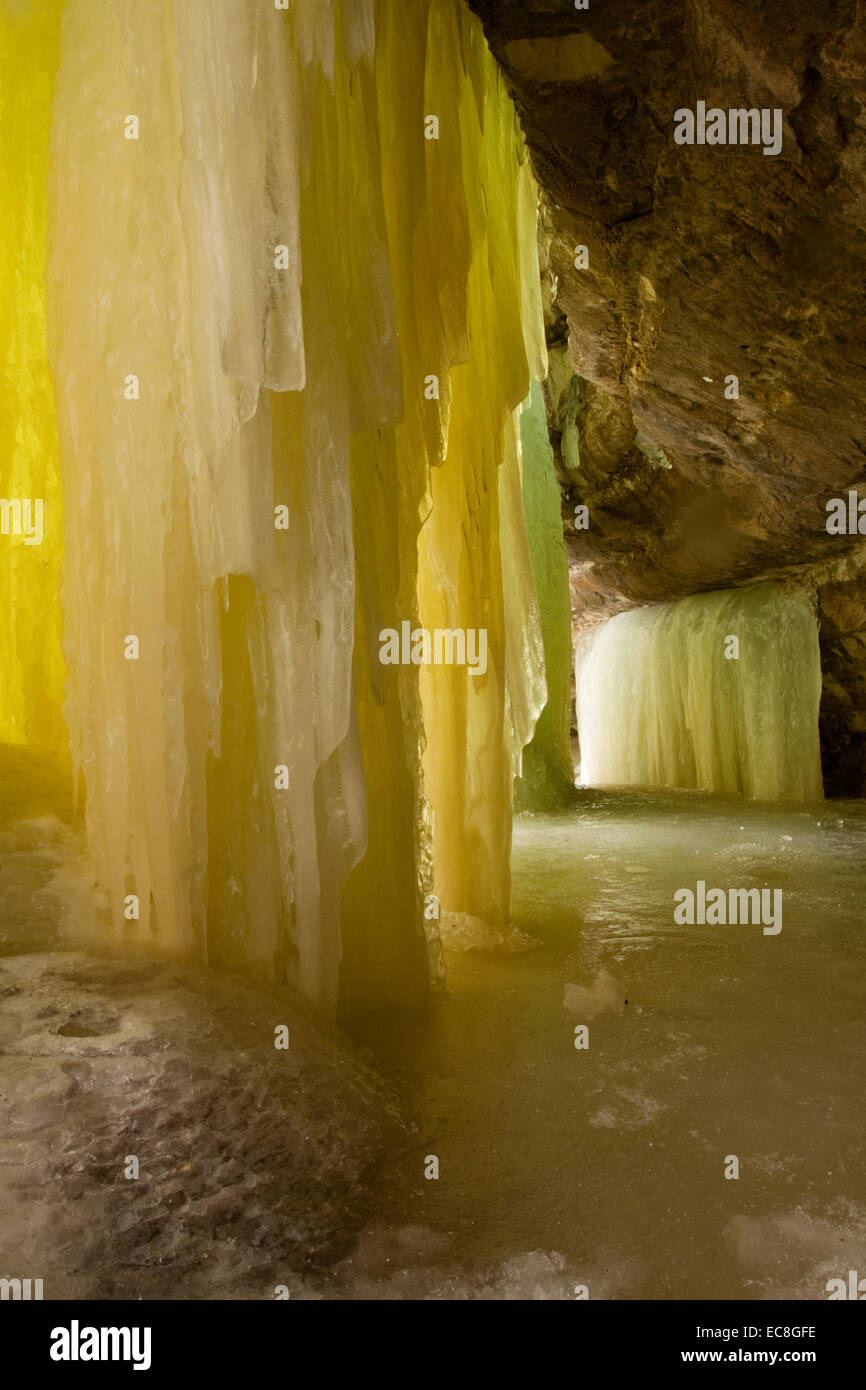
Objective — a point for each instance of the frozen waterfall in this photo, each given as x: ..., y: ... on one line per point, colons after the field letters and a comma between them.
x: 719, y: 691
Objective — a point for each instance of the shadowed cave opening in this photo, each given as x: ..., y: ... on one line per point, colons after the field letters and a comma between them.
x: 463, y: 697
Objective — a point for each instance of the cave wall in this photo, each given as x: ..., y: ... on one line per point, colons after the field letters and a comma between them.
x: 842, y: 719
x: 704, y: 261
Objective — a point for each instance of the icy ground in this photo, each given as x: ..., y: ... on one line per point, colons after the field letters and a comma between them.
x: 606, y: 1166
x: 559, y: 1168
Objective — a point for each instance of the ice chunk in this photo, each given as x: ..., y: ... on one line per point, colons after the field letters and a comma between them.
x: 606, y: 995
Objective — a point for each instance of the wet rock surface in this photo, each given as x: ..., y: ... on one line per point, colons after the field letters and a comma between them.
x: 704, y: 261
x: 254, y: 1163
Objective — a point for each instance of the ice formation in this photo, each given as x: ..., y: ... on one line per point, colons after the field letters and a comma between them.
x: 291, y: 321
x: 31, y: 659
x: 547, y: 774
x: 605, y: 994
x: 660, y: 703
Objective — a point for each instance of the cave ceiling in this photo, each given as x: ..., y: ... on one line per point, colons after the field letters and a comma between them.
x: 704, y: 262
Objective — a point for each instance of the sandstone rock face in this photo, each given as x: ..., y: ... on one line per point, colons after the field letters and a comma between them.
x: 842, y: 614
x: 706, y: 262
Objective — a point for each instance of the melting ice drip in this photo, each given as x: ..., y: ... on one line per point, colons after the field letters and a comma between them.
x: 659, y: 704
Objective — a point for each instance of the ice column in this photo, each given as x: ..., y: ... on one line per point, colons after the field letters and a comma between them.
x: 31, y: 532
x: 474, y: 565
x: 547, y: 776
x: 263, y: 254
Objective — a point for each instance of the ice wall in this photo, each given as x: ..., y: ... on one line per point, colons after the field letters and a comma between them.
x: 31, y: 660
x: 660, y: 703
x: 290, y: 288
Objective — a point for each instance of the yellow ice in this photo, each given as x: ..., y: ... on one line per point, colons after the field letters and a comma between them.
x: 31, y: 660
x: 282, y: 261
